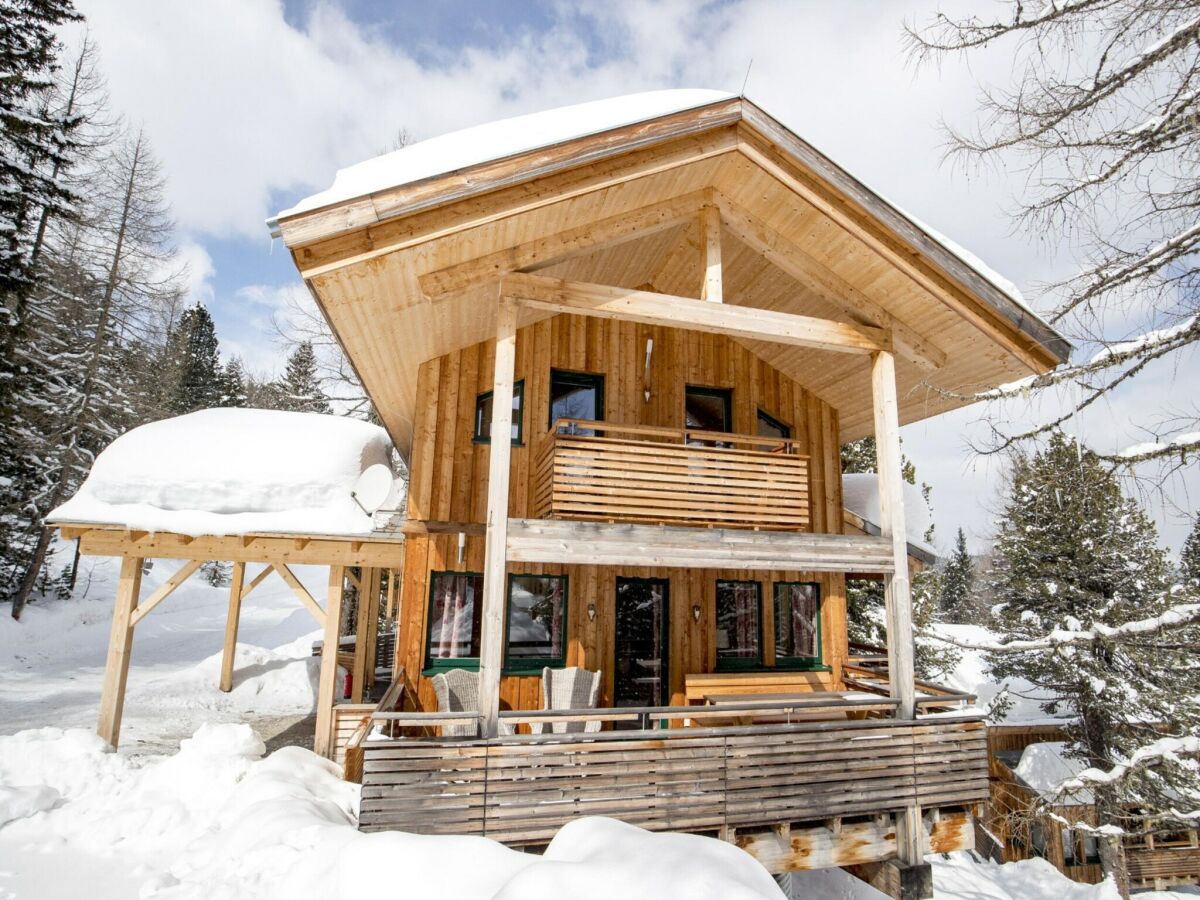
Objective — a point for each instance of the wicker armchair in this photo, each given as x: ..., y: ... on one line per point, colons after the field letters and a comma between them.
x: 569, y: 688
x: 458, y: 691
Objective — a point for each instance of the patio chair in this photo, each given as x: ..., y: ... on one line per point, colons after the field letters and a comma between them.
x: 458, y: 691
x: 569, y: 688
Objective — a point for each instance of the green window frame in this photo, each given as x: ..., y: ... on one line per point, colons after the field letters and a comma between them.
x: 725, y: 618
x: 581, y: 380
x: 483, y: 415
x: 785, y: 657
x: 537, y: 662
x: 434, y: 660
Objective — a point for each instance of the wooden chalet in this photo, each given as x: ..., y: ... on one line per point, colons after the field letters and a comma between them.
x: 676, y: 311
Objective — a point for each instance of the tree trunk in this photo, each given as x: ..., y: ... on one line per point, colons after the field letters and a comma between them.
x: 1113, y: 864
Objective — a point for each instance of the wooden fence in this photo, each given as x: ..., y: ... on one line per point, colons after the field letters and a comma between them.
x: 671, y: 476
x: 521, y: 789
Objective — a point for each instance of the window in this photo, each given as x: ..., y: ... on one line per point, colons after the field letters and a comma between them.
x: 797, y: 624
x: 455, y: 611
x: 769, y: 426
x: 537, y: 621
x: 483, y: 415
x: 708, y: 409
x: 576, y: 395
x: 739, y: 624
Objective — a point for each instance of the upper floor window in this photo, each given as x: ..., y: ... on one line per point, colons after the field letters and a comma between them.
x: 483, y: 415
x: 708, y: 409
x: 455, y: 616
x: 576, y: 395
x: 769, y: 426
x: 797, y: 624
x: 739, y: 624
x: 537, y: 621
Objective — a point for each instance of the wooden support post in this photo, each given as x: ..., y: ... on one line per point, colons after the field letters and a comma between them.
x: 120, y: 643
x: 326, y: 685
x: 393, y: 593
x: 710, y: 233
x: 897, y: 589
x: 236, y: 592
x: 491, y: 647
x: 362, y: 627
x: 373, y: 583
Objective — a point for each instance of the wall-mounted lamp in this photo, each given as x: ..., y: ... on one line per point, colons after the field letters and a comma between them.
x: 462, y: 546
x: 696, y: 613
x: 646, y: 373
x: 591, y: 612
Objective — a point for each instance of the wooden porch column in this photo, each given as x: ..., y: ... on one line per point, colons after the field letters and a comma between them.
x: 236, y: 582
x: 910, y: 828
x: 120, y: 643
x: 365, y: 629
x: 491, y: 644
x: 326, y: 685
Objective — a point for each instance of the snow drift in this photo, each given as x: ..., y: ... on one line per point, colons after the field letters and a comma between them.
x: 232, y: 471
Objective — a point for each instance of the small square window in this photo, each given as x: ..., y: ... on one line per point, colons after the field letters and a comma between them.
x: 739, y: 624
x: 576, y: 395
x: 537, y: 621
x: 455, y: 618
x: 769, y: 426
x: 797, y: 624
x: 483, y: 415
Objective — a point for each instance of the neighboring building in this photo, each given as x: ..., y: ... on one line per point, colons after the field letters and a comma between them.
x: 675, y: 311
x: 1027, y: 762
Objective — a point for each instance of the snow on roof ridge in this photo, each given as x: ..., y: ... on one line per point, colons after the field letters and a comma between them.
x: 501, y: 138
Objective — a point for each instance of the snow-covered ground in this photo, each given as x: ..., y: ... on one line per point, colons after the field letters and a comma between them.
x: 193, y: 807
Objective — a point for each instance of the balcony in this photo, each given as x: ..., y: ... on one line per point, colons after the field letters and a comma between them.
x: 600, y: 471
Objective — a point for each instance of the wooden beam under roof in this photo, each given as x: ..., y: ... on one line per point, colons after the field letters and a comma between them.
x: 607, y: 302
x: 564, y: 245
x: 795, y: 262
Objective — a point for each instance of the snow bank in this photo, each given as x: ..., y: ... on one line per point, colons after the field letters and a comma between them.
x: 860, y: 495
x: 496, y: 140
x: 1045, y: 766
x: 232, y: 471
x: 217, y: 820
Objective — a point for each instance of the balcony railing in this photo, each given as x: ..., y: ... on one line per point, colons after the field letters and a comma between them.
x: 635, y: 473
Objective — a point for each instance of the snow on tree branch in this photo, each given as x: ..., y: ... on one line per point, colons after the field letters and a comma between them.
x: 1182, y: 614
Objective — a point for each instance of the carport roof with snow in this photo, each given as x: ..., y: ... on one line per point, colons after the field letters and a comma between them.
x: 403, y: 252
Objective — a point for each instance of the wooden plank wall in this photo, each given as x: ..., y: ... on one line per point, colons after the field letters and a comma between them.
x: 449, y: 481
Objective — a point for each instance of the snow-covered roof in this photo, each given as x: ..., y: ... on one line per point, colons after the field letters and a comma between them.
x: 233, y: 471
x: 497, y: 140
x: 860, y: 495
x: 1044, y: 766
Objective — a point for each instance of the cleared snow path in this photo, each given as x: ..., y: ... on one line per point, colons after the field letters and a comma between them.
x: 52, y: 661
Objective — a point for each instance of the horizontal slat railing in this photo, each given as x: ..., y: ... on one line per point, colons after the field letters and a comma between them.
x: 632, y: 473
x: 522, y: 788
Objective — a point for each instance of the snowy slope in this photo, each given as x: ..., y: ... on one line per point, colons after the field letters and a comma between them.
x: 233, y: 471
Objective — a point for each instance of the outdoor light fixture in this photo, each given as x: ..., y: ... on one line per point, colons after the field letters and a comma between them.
x: 646, y: 374
x: 591, y: 612
x: 696, y: 612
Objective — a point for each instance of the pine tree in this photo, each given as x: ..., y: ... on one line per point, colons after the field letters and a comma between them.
x: 958, y: 582
x: 193, y: 353
x: 1189, y: 558
x: 1075, y: 556
x: 300, y: 388
x: 233, y: 384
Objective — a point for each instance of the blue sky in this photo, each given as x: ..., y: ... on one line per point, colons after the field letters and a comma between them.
x: 253, y: 104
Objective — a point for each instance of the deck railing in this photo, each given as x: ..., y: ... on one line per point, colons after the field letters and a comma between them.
x: 635, y: 473
x: 522, y: 788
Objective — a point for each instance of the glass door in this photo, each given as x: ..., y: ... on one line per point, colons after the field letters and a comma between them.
x: 640, y: 648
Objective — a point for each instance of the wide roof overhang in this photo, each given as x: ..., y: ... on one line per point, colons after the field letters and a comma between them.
x: 411, y: 271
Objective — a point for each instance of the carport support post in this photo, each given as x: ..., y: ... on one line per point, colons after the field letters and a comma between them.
x: 236, y: 583
x: 491, y: 641
x: 120, y: 644
x: 327, y: 684
x: 910, y: 829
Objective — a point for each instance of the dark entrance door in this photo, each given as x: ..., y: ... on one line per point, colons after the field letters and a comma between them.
x: 640, y: 648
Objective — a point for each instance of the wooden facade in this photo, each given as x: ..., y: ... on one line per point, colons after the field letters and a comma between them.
x: 449, y: 483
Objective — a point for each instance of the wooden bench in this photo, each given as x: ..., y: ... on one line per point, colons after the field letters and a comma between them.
x: 699, y: 686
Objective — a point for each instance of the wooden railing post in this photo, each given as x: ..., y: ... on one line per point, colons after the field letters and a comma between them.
x: 491, y: 642
x: 327, y: 683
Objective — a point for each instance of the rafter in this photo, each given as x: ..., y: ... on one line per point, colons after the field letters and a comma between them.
x: 609, y: 302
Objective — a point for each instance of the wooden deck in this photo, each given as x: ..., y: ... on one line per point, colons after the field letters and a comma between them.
x: 667, y: 476
x: 521, y: 789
